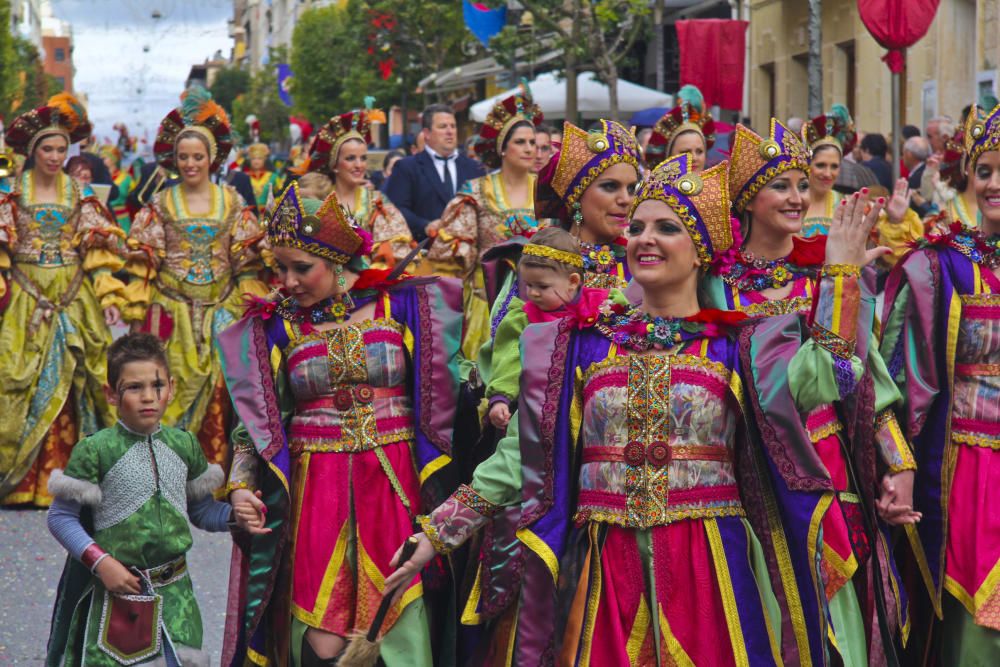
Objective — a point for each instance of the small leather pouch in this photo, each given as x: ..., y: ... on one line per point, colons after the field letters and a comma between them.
x: 130, y: 627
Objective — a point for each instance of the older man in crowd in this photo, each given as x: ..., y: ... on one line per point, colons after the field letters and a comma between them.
x: 916, y: 150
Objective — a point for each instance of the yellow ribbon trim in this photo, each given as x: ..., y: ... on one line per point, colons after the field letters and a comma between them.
x: 726, y: 591
x: 542, y: 550
x: 433, y: 467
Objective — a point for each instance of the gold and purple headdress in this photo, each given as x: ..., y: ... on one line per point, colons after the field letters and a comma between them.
x: 584, y: 156
x: 982, y: 133
x: 754, y: 161
x: 327, y: 231
x: 63, y: 115
x: 700, y: 200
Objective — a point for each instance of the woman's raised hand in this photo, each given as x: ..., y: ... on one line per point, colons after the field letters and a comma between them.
x: 853, y: 220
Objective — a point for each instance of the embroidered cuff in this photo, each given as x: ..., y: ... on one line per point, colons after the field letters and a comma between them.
x: 848, y: 270
x: 892, y: 443
x: 456, y: 519
x: 238, y: 484
x: 468, y: 497
x: 834, y: 344
x: 92, y: 556
x: 835, y: 318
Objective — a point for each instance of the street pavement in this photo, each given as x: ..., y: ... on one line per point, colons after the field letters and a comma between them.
x: 31, y: 562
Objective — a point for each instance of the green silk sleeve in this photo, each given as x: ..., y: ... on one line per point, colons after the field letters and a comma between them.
x: 505, y: 361
x: 496, y: 483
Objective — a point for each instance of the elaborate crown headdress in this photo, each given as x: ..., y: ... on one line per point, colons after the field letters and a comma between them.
x: 501, y: 119
x: 62, y: 115
x: 258, y: 150
x: 982, y: 133
x: 328, y: 232
x: 682, y: 118
x: 110, y: 151
x: 198, y: 112
x: 584, y: 156
x: 325, y: 146
x: 835, y: 128
x: 754, y: 160
x: 700, y: 200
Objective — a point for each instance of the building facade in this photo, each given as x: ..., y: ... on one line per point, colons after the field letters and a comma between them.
x: 952, y: 66
x: 57, y: 48
x: 26, y: 20
x: 260, y: 25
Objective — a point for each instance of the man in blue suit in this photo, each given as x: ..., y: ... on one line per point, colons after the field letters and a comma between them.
x: 422, y: 185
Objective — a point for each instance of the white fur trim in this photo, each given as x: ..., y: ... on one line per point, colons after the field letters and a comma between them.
x: 64, y: 487
x: 206, y: 482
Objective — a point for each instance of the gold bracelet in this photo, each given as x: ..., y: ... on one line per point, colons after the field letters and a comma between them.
x: 845, y: 270
x: 432, y: 534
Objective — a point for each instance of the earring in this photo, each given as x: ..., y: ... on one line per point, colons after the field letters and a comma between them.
x: 577, y: 216
x: 341, y: 280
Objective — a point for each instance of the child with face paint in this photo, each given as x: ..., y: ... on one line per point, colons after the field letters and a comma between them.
x: 121, y: 510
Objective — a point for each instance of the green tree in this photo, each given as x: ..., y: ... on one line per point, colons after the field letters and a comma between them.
x: 230, y: 82
x: 337, y: 52
x: 9, y: 83
x: 34, y: 85
x: 427, y: 37
x: 592, y: 34
x: 333, y: 70
x: 262, y: 100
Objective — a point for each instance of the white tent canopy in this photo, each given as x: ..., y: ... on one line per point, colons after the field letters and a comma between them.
x: 592, y: 97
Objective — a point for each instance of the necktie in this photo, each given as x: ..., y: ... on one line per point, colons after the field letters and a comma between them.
x: 448, y: 184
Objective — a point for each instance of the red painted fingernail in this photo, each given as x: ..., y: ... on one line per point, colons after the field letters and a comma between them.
x: 843, y: 202
x: 881, y: 200
x: 864, y: 191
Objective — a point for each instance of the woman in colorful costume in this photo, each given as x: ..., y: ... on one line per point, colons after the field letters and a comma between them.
x: 265, y: 183
x: 683, y: 129
x: 586, y: 188
x: 941, y: 343
x: 122, y: 179
x: 775, y: 272
x: 340, y: 151
x: 491, y: 209
x: 195, y: 251
x: 829, y: 137
x: 655, y: 400
x: 60, y: 246
x: 345, y: 386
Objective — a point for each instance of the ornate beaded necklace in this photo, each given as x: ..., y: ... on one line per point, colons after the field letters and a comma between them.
x: 336, y: 309
x: 975, y: 245
x: 635, y: 330
x: 753, y: 274
x: 600, y: 258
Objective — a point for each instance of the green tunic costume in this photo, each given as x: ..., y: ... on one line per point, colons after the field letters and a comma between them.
x: 137, y: 488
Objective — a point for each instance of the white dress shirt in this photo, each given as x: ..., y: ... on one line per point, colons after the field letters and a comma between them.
x: 439, y: 164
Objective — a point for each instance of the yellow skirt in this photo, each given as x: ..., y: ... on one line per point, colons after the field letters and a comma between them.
x: 51, y: 381
x: 201, y: 402
x: 477, y: 315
